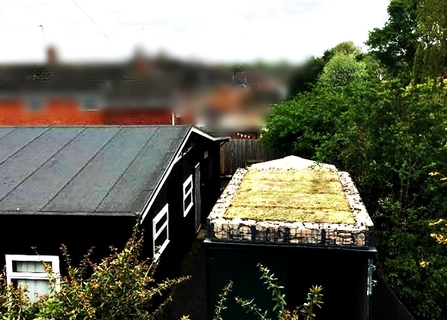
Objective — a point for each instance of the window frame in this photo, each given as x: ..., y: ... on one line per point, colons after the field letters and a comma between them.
x: 35, y: 103
x: 15, y: 275
x: 186, y: 194
x: 98, y: 102
x: 155, y: 233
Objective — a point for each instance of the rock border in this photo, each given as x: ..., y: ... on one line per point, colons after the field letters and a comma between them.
x: 359, y: 234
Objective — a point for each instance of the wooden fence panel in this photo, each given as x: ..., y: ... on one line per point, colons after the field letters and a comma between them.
x: 240, y: 152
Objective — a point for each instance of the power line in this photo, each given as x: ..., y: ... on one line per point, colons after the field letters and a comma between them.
x: 92, y: 20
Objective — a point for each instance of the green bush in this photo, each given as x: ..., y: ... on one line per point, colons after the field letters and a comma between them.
x: 121, y: 286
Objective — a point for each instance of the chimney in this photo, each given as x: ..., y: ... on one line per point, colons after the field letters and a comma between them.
x: 140, y: 63
x: 51, y: 55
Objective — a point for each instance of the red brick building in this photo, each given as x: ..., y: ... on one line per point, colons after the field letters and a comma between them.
x: 135, y: 92
x: 68, y: 111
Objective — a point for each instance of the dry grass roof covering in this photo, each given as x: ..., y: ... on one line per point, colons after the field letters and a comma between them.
x: 290, y: 196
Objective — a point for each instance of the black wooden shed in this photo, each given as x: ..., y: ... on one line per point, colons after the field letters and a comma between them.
x: 83, y: 186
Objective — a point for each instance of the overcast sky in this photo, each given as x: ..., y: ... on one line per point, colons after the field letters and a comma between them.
x: 230, y: 30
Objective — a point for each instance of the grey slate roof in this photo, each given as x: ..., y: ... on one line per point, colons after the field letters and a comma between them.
x: 86, y: 170
x: 114, y: 84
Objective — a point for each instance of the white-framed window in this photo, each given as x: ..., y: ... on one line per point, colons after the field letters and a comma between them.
x: 29, y: 271
x: 90, y: 102
x: 187, y: 196
x: 35, y: 103
x: 160, y: 231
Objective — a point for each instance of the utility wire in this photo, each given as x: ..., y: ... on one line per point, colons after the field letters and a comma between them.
x: 92, y: 20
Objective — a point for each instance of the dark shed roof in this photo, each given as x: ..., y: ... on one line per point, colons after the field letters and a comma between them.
x: 86, y: 170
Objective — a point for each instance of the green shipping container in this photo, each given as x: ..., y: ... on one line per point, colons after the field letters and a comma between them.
x: 343, y: 273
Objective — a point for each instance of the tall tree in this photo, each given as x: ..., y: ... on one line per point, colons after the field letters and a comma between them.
x: 431, y: 55
x: 395, y: 44
x: 307, y: 74
x: 347, y: 48
x: 342, y: 70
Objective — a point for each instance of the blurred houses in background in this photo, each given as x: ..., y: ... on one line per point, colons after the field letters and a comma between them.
x: 239, y: 109
x: 143, y: 90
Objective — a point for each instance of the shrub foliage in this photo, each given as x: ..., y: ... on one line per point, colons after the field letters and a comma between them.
x: 120, y: 286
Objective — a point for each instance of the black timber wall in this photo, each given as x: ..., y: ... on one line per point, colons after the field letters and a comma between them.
x: 47, y: 232
x: 182, y: 229
x: 342, y: 273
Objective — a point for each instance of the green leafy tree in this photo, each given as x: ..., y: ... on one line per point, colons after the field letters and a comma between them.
x: 297, y: 126
x: 395, y: 44
x: 431, y: 57
x: 347, y: 48
x: 343, y: 69
x: 306, y: 75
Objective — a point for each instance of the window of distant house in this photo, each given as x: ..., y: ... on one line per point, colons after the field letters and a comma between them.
x: 90, y: 103
x: 29, y: 271
x: 160, y: 231
x: 187, y: 196
x: 35, y: 103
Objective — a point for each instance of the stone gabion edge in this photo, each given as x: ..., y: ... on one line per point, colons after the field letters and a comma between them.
x: 247, y: 230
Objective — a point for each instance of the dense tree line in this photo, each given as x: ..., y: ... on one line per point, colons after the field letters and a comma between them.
x: 382, y: 116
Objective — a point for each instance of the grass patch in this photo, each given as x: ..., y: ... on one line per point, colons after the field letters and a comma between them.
x: 291, y: 195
